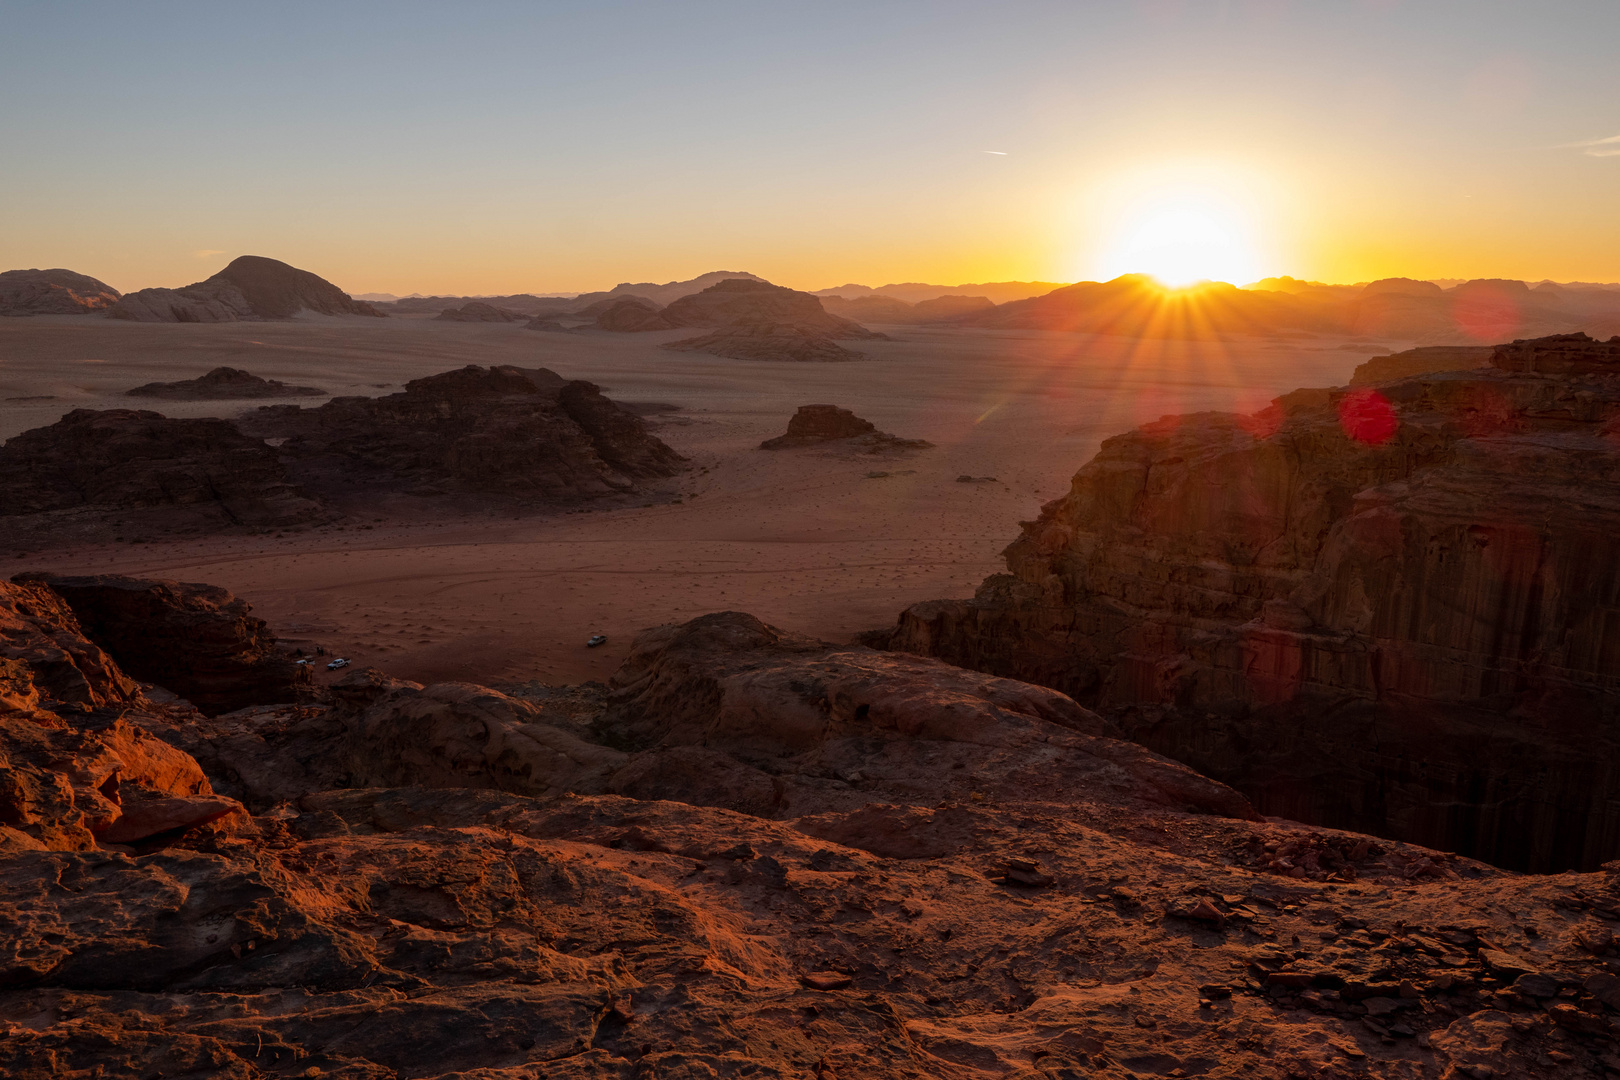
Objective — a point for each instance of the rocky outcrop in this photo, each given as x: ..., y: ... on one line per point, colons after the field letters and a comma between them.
x: 503, y: 430
x: 1420, y: 361
x: 1381, y: 609
x: 196, y: 641
x: 768, y: 341
x: 937, y: 874
x: 816, y: 425
x: 223, y: 384
x: 478, y: 311
x: 53, y: 292
x: 75, y: 771
x: 632, y: 315
x: 251, y: 287
x: 739, y: 302
x: 93, y: 472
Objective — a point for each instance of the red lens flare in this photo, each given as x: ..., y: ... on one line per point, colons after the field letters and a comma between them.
x: 1367, y: 417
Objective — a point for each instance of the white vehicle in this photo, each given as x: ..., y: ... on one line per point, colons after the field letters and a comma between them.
x: 595, y: 640
x: 338, y: 663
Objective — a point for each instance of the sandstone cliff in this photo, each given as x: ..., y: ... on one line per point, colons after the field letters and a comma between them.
x: 251, y: 287
x: 1387, y: 609
x: 53, y: 292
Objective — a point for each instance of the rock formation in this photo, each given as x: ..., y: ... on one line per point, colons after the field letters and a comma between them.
x: 886, y: 309
x: 75, y: 772
x: 196, y: 641
x: 223, y: 383
x: 632, y: 315
x: 739, y: 302
x: 1420, y: 361
x: 529, y: 435
x: 94, y: 472
x: 925, y: 873
x: 1383, y: 609
x: 53, y: 292
x: 816, y: 425
x: 478, y: 311
x: 251, y: 287
x: 768, y: 341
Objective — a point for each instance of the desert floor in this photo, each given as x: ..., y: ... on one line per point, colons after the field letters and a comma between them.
x: 812, y: 540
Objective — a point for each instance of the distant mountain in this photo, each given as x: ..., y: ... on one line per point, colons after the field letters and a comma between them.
x: 667, y: 293
x: 251, y: 287
x: 878, y: 308
x: 53, y: 292
x: 997, y: 292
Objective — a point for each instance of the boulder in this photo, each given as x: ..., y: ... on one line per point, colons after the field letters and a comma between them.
x: 53, y: 292
x: 251, y: 287
x: 1371, y: 609
x: 197, y: 641
x: 223, y: 383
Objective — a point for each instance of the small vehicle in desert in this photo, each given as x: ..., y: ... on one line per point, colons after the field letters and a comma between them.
x: 338, y: 663
x: 594, y: 640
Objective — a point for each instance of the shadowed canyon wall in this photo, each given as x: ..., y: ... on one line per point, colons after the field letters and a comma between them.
x: 1394, y: 609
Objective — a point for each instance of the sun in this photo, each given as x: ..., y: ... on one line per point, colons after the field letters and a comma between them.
x: 1181, y: 230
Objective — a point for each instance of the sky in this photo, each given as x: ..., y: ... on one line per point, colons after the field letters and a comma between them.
x: 486, y: 147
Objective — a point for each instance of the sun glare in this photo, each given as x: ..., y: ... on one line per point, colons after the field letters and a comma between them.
x: 1182, y: 231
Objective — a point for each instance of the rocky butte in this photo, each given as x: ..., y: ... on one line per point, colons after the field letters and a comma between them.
x: 251, y: 287
x: 1393, y: 608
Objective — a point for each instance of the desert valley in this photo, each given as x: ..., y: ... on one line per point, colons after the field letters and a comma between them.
x: 733, y: 541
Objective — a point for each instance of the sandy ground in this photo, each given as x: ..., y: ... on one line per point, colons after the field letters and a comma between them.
x: 807, y: 539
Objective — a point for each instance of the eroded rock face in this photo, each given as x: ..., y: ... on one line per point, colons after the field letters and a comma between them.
x: 1420, y: 361
x: 251, y: 287
x: 123, y: 469
x: 1385, y: 610
x: 53, y: 292
x: 815, y: 425
x: 1050, y: 908
x: 223, y: 383
x: 197, y: 641
x: 76, y: 770
x: 493, y: 430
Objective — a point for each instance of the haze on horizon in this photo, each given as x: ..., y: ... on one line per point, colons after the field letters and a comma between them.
x: 562, y: 147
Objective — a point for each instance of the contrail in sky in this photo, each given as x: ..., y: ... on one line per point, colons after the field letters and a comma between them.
x: 999, y: 153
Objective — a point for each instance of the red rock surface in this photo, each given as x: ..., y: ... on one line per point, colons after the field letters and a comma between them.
x: 197, y: 641
x: 1051, y: 908
x: 1383, y: 609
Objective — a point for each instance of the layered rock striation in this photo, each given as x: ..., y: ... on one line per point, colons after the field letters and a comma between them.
x: 251, y: 287
x: 53, y: 292
x: 1387, y: 608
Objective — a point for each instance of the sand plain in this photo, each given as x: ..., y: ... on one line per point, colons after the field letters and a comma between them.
x: 809, y: 539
